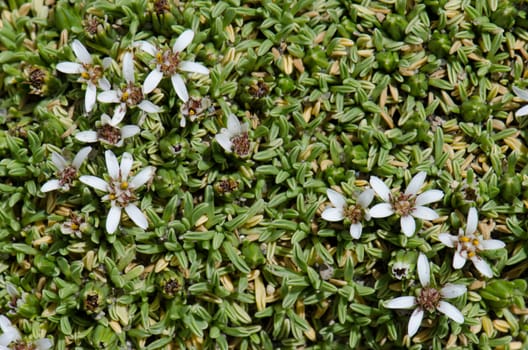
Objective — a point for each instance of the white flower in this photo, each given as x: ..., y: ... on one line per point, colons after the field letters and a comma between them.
x: 67, y: 171
x: 131, y: 95
x: 429, y: 299
x: 193, y: 108
x: 75, y: 226
x: 355, y: 214
x: 109, y: 132
x: 91, y: 74
x: 168, y: 63
x: 406, y: 205
x: 120, y: 191
x: 468, y: 245
x: 235, y: 138
x: 11, y: 334
x: 523, y: 94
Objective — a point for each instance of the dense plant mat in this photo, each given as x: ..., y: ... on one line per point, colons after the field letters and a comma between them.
x: 263, y: 174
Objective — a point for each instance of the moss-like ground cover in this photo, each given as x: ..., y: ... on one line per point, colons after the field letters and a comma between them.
x: 263, y: 174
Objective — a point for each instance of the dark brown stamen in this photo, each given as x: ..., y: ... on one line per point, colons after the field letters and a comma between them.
x: 429, y: 298
x: 403, y: 204
x: 67, y: 175
x: 132, y: 95
x: 110, y: 134
x: 92, y: 302
x: 168, y: 61
x: 241, y: 144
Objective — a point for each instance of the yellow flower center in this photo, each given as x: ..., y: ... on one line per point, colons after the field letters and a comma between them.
x: 464, y: 239
x: 124, y: 185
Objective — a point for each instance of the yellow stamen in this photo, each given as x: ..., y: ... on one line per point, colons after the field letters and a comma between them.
x: 476, y: 242
x: 125, y: 95
x: 74, y: 226
x: 159, y: 57
x: 124, y: 185
x: 471, y: 254
x: 85, y: 75
x: 192, y: 112
x: 112, y: 196
x: 464, y: 239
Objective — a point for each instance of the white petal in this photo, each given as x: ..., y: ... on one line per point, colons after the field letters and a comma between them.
x: 104, y: 84
x: 244, y: 127
x: 119, y: 114
x: 450, y: 290
x: 87, y: 136
x: 193, y: 67
x: 183, y: 122
x: 12, y: 290
x: 11, y: 334
x: 129, y: 131
x: 105, y: 120
x: 521, y: 93
x: 224, y: 140
x: 406, y: 302
x: 5, y: 323
x: 424, y: 271
x: 458, y: 260
x: 355, y: 230
x: 50, y: 185
x: 90, y: 96
x: 58, y: 161
x: 113, y: 219
x: 365, y: 198
x: 112, y: 165
x: 152, y: 80
x: 482, y: 266
x: 472, y: 221
x: 450, y: 311
x: 408, y: 225
x: 126, y: 165
x: 415, y: 321
x: 492, y: 244
x: 336, y: 198
x: 381, y: 210
x: 149, y: 107
x: 183, y: 41
x: 332, y: 214
x: 109, y: 96
x: 424, y: 213
x: 430, y: 196
x: 522, y: 111
x: 81, y: 53
x: 416, y: 183
x: 447, y: 239
x: 380, y: 188
x: 70, y: 67
x: 95, y: 182
x: 179, y: 87
x: 142, y: 177
x: 147, y: 47
x: 44, y: 344
x: 128, y: 67
x: 233, y: 124
x: 136, y: 216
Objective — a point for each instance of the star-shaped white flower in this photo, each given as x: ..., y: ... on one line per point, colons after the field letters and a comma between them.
x: 468, y: 245
x: 429, y: 299
x: 121, y: 192
x: 91, y: 74
x: 11, y: 334
x: 522, y: 94
x: 109, y: 132
x: 235, y: 138
x: 131, y: 95
x: 355, y: 214
x: 67, y: 172
x: 168, y: 64
x: 407, y: 205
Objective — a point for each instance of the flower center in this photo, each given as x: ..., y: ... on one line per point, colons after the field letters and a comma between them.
x: 168, y: 61
x: 469, y: 244
x: 400, y: 270
x: 91, y: 73
x: 429, y: 298
x: 354, y: 213
x: 110, y: 134
x: 403, y: 204
x: 67, y: 175
x: 121, y: 193
x: 92, y: 302
x: 37, y: 79
x: 161, y: 6
x: 227, y: 186
x: 171, y: 287
x: 132, y: 95
x: 241, y: 144
x: 20, y: 345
